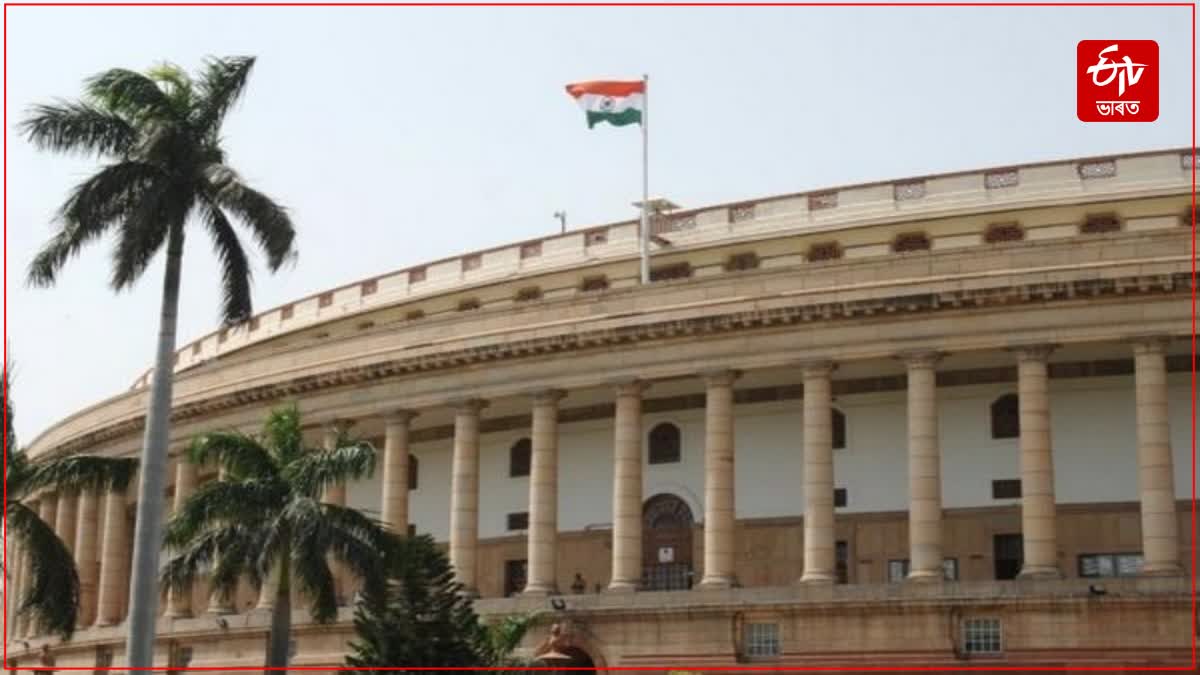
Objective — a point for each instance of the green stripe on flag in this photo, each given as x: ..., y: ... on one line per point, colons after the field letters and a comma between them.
x: 627, y: 116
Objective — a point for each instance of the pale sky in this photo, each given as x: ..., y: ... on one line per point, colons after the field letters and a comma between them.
x: 398, y: 135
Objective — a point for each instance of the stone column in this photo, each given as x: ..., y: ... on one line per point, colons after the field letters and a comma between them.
x: 543, y: 495
x: 464, y: 492
x: 65, y: 519
x: 114, y: 561
x: 1038, y: 525
x: 720, y: 514
x: 395, y: 471
x: 1156, y: 473
x: 924, y: 469
x: 819, y: 555
x: 221, y: 602
x: 87, y: 551
x: 336, y: 495
x: 627, y: 489
x: 20, y: 563
x: 48, y: 509
x: 179, y: 604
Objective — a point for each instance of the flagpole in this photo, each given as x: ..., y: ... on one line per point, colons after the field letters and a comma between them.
x: 645, y: 230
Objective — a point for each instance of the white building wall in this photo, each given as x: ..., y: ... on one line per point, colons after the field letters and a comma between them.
x: 1092, y: 420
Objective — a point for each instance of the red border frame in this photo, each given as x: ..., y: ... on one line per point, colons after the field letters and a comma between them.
x: 4, y: 526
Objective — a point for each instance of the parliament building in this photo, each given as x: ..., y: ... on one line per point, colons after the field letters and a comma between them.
x: 942, y: 420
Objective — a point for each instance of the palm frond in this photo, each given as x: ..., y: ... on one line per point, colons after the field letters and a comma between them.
x: 92, y: 208
x: 143, y: 231
x: 238, y: 453
x: 218, y: 503
x: 284, y: 433
x: 221, y: 84
x: 53, y: 597
x: 312, y: 473
x: 236, y: 305
x: 77, y: 128
x: 129, y: 93
x: 83, y: 472
x: 268, y: 221
x: 309, y: 564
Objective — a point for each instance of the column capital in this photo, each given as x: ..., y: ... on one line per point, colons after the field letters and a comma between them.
x: 547, y: 396
x: 467, y: 405
x: 720, y: 376
x: 921, y: 358
x: 1150, y: 344
x: 1033, y: 353
x: 400, y: 416
x: 817, y: 368
x: 630, y: 386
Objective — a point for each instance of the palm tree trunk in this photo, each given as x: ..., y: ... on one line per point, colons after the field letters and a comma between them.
x: 279, y: 641
x: 147, y: 542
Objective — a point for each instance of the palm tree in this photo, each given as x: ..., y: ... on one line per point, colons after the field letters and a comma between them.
x: 266, y: 519
x: 52, y: 596
x: 159, y: 135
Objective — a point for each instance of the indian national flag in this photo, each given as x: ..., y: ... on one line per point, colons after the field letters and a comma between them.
x: 618, y: 103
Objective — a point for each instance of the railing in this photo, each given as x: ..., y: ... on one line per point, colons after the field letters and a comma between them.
x: 668, y: 577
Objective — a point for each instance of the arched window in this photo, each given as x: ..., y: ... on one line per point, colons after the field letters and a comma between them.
x: 910, y: 241
x: 839, y: 429
x: 520, y: 456
x: 414, y: 472
x: 1006, y: 422
x: 665, y: 444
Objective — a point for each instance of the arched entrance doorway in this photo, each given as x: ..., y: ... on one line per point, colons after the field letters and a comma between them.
x: 666, y: 544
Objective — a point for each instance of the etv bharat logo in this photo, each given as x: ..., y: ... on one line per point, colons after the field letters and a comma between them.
x: 1117, y: 80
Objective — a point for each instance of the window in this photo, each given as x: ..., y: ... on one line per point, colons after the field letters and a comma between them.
x: 414, y: 472
x: 469, y: 304
x: 369, y: 287
x: 897, y: 570
x: 910, y: 241
x: 671, y: 272
x: 518, y: 521
x: 519, y: 458
x: 665, y: 444
x: 416, y: 275
x: 178, y: 658
x: 286, y: 312
x: 414, y: 315
x: 1008, y: 553
x: 826, y: 250
x: 515, y: 573
x: 741, y: 262
x: 997, y: 233
x: 591, y: 284
x: 104, y: 657
x: 840, y: 497
x: 841, y: 551
x: 472, y: 262
x: 1100, y: 224
x: 981, y: 636
x: 254, y: 321
x: 1110, y: 565
x: 822, y: 200
x: 531, y: 250
x: 1006, y: 418
x: 950, y: 569
x: 528, y: 294
x: 1009, y: 488
x: 762, y: 640
x: 839, y: 429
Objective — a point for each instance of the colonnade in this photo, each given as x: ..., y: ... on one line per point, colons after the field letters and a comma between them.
x: 104, y: 560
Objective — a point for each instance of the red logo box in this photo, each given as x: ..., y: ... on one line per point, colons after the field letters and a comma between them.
x: 1117, y: 80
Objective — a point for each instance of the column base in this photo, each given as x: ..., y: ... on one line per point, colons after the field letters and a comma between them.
x: 540, y: 590
x: 1040, y: 572
x: 715, y: 583
x: 1161, y: 570
x: 817, y: 578
x: 925, y: 577
x: 622, y: 587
